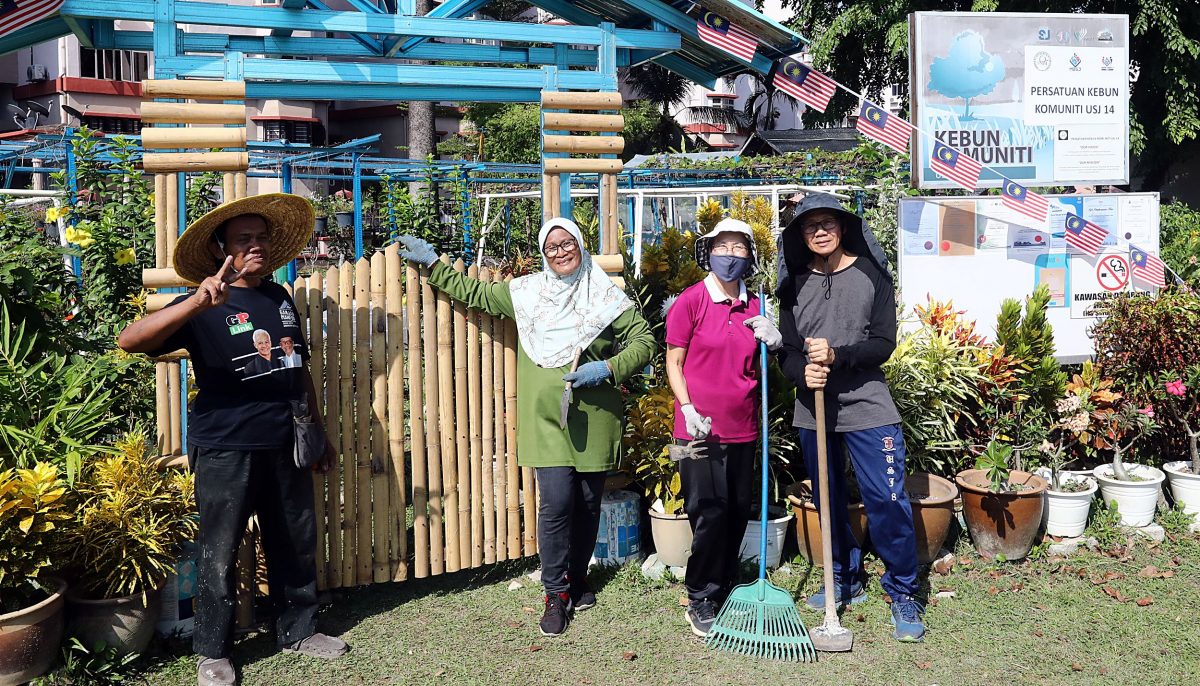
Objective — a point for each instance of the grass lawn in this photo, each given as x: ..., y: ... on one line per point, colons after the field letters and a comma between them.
x: 1131, y: 616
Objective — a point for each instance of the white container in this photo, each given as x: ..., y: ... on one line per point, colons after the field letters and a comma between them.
x: 777, y: 529
x: 1136, y: 500
x: 1185, y: 486
x: 1066, y: 512
x: 618, y: 539
x: 178, y: 596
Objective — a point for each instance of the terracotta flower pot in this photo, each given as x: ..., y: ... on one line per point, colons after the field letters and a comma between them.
x: 932, y: 499
x: 29, y: 638
x: 125, y: 624
x: 1002, y: 523
x: 672, y: 538
x: 808, y: 524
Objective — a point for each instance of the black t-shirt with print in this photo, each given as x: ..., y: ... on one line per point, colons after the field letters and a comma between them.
x: 245, y: 369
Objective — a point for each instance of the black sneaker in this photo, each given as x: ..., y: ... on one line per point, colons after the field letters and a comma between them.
x: 700, y: 615
x: 557, y: 614
x: 582, y: 595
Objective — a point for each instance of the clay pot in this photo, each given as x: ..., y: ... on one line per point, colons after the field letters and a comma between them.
x: 932, y: 500
x: 808, y: 524
x: 672, y: 538
x: 29, y: 638
x: 125, y: 624
x: 1002, y: 523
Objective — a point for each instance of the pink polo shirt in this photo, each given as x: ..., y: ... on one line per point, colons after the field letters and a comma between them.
x: 721, y: 366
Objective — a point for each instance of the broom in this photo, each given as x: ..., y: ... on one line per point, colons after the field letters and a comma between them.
x: 760, y: 619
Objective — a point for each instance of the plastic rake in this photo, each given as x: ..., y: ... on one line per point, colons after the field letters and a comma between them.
x: 760, y: 619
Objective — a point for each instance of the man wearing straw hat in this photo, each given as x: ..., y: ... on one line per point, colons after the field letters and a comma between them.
x: 240, y: 426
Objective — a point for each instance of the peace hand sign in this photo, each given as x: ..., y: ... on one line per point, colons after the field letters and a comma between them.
x: 212, y: 291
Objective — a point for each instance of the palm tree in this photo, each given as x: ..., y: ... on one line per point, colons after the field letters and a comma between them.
x: 664, y: 88
x: 759, y: 111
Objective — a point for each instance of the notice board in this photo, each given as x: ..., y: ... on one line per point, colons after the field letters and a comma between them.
x: 976, y: 252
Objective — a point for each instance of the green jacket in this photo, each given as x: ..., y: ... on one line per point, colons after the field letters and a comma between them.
x: 592, y: 439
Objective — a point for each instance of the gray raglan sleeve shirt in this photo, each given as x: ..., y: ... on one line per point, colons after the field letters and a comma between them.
x: 855, y: 309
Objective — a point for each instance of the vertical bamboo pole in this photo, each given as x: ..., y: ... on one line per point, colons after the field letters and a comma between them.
x: 488, y: 447
x: 380, y: 464
x: 160, y: 221
x: 445, y: 374
x: 239, y: 181
x: 349, y: 455
x: 610, y: 225
x: 362, y: 415
x: 548, y: 196
x: 303, y: 303
x: 510, y: 430
x: 176, y: 414
x: 162, y: 406
x: 476, y: 441
x: 333, y: 405
x: 462, y: 445
x: 500, y: 466
x: 229, y: 190
x: 433, y: 435
x: 398, y: 525
x: 172, y: 218
x: 416, y: 425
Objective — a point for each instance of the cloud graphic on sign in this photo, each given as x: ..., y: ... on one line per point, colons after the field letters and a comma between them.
x: 967, y: 71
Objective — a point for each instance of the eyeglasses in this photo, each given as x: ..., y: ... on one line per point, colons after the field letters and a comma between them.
x: 829, y: 225
x: 566, y: 246
x: 736, y: 248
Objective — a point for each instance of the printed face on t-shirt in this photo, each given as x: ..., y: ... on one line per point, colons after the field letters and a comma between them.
x: 262, y: 343
x: 287, y: 345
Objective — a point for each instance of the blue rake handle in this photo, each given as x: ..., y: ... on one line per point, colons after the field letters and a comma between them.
x: 762, y: 538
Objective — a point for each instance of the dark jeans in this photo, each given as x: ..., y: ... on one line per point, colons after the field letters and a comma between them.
x: 568, y: 521
x: 716, y: 496
x: 230, y: 486
x: 878, y: 457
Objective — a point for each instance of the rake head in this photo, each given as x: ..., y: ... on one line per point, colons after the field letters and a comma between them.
x: 761, y: 620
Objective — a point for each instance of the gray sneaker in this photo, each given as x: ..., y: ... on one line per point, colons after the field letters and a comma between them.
x: 700, y: 615
x: 319, y: 645
x: 215, y: 672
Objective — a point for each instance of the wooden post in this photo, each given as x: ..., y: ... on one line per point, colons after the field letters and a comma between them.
x: 162, y: 405
x: 175, y: 441
x: 462, y: 445
x: 349, y: 455
x: 381, y: 477
x: 362, y: 415
x: 501, y: 435
x: 160, y: 221
x: 416, y: 426
x: 473, y: 415
x: 397, y: 526
x: 229, y: 192
x: 305, y: 300
x: 239, y: 184
x: 486, y: 428
x: 333, y: 495
x: 510, y: 429
x: 172, y: 218
x: 445, y: 375
x: 433, y: 435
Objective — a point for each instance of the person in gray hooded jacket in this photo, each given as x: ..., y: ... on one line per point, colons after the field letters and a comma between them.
x: 838, y: 321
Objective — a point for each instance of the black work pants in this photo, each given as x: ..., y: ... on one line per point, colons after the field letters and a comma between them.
x: 716, y: 496
x: 230, y: 486
x: 568, y: 521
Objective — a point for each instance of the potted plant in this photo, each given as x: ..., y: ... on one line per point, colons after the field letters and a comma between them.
x: 808, y: 521
x: 1181, y: 399
x: 32, y: 510
x: 1068, y: 496
x: 131, y: 518
x: 1002, y: 506
x: 341, y: 206
x: 932, y: 500
x: 651, y: 422
x: 1136, y: 488
x: 320, y: 214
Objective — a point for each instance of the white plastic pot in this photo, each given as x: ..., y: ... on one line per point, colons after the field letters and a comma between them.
x: 1136, y: 500
x: 777, y: 529
x: 1185, y: 486
x: 1066, y: 512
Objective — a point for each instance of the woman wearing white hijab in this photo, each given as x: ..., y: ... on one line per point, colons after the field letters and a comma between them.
x: 569, y: 306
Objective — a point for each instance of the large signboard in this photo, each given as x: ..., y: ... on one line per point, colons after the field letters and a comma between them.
x: 976, y: 252
x: 1040, y: 98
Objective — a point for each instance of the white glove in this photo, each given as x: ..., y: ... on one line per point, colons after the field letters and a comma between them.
x: 765, y: 331
x: 697, y: 427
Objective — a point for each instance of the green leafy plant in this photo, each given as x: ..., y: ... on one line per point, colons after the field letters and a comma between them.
x: 33, y: 504
x: 651, y: 421
x: 1176, y: 520
x: 83, y: 666
x: 1179, y: 399
x: 130, y: 519
x: 995, y: 461
x: 1179, y: 237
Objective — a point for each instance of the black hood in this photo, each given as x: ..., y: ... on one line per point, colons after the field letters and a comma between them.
x: 794, y: 255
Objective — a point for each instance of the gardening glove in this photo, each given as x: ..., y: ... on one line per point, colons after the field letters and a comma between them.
x: 418, y: 250
x: 588, y: 375
x: 697, y: 427
x: 765, y: 331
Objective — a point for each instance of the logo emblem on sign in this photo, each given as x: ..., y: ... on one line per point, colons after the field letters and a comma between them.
x: 1044, y: 33
x: 1106, y: 63
x: 239, y: 323
x: 889, y: 443
x: 1081, y: 34
x: 1064, y: 37
x: 1041, y: 61
x: 1075, y: 62
x: 1104, y: 35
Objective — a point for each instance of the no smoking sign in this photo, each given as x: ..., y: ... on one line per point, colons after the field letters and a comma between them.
x: 1112, y: 272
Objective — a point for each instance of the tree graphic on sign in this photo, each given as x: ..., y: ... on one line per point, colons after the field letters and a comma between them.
x: 967, y: 71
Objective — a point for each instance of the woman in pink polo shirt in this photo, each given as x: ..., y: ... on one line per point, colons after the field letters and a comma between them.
x: 713, y: 330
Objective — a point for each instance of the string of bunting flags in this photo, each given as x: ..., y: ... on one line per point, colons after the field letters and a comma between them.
x: 816, y: 89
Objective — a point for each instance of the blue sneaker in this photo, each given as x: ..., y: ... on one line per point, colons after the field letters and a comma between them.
x: 906, y: 616
x: 858, y: 594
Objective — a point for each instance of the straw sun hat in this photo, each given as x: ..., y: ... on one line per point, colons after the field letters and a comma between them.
x: 289, y: 218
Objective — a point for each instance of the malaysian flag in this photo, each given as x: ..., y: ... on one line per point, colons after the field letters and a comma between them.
x: 724, y: 34
x: 1083, y: 235
x: 17, y: 14
x: 805, y: 84
x: 1020, y: 199
x: 1148, y: 268
x: 877, y: 124
x: 952, y: 164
